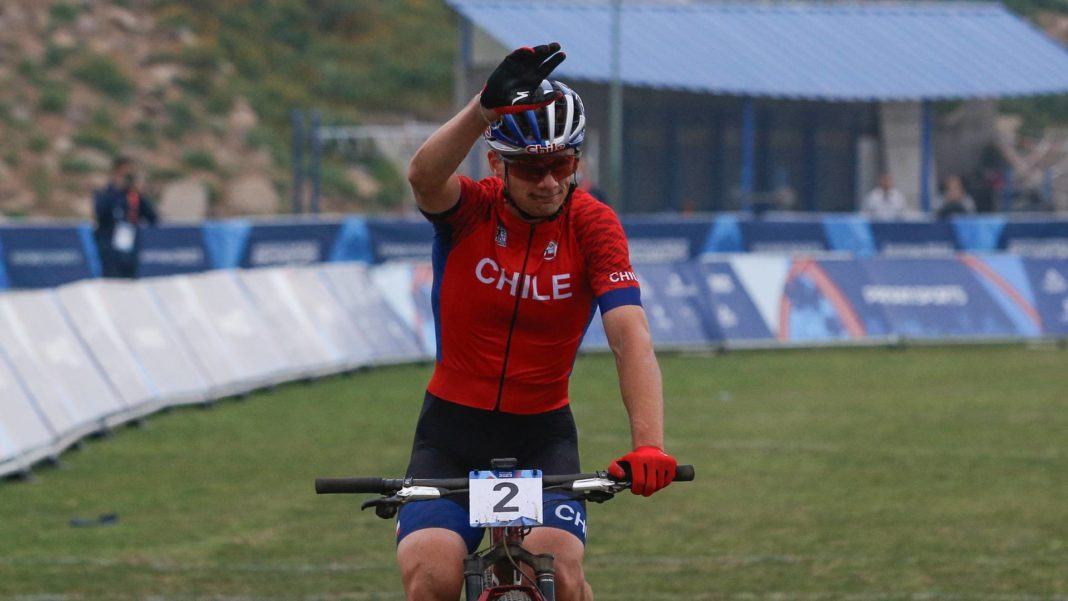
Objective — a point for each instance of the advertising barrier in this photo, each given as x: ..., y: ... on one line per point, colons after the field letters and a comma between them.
x: 149, y: 334
x: 1049, y: 284
x: 247, y: 338
x: 349, y: 345
x: 401, y: 239
x: 389, y: 338
x: 183, y: 308
x: 791, y: 237
x: 1038, y: 239
x: 173, y: 250
x: 671, y: 296
x: 24, y: 436
x: 914, y: 239
x: 94, y: 354
x: 47, y: 256
x: 296, y: 336
x: 61, y: 379
x: 120, y: 366
x: 289, y: 244
x: 666, y: 240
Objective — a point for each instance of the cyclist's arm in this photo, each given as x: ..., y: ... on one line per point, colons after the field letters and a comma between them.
x: 639, y: 373
x: 432, y: 171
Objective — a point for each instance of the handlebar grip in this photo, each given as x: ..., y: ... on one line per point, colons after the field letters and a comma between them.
x: 330, y: 486
x: 684, y: 473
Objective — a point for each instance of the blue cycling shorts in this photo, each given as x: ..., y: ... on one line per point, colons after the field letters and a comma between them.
x: 452, y: 439
x: 559, y: 512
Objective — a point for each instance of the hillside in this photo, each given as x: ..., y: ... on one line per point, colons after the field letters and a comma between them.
x: 201, y: 96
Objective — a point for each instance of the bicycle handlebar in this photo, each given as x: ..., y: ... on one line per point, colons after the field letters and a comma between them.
x: 384, y: 486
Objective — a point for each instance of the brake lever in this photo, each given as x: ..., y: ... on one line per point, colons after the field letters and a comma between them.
x: 599, y: 496
x: 385, y: 507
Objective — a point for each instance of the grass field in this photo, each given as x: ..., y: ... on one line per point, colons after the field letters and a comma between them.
x: 860, y: 474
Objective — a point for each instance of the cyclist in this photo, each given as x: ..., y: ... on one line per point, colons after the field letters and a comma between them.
x: 521, y: 260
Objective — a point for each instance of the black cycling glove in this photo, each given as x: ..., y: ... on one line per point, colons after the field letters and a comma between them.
x: 515, y: 85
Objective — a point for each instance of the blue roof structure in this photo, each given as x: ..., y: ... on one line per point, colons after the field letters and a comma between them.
x: 904, y: 51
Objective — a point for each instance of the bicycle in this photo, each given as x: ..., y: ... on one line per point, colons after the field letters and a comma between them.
x: 499, y: 500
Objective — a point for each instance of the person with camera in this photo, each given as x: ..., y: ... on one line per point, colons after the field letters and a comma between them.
x: 121, y: 209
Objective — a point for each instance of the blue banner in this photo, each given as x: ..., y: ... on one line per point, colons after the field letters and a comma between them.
x: 914, y: 239
x: 671, y: 296
x: 289, y: 243
x: 353, y: 242
x: 935, y: 298
x: 784, y: 236
x: 1049, y: 284
x: 849, y: 233
x: 725, y: 305
x: 225, y: 242
x: 1038, y: 239
x: 844, y: 291
x: 978, y: 233
x: 817, y: 308
x: 47, y: 256
x: 173, y: 249
x: 665, y: 240
x: 725, y: 236
x: 4, y: 282
x: 401, y: 239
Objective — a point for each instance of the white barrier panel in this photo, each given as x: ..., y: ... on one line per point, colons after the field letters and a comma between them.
x: 150, y: 338
x: 304, y: 349
x: 231, y: 314
x: 329, y: 318
x: 391, y: 341
x: 406, y: 288
x: 120, y: 366
x: 24, y: 436
x: 59, y: 376
x: 227, y: 372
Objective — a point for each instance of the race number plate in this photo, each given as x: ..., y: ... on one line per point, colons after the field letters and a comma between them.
x: 510, y: 498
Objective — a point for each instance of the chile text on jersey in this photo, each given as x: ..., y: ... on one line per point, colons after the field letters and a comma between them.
x: 512, y: 300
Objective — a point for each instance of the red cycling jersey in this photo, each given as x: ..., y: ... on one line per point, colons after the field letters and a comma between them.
x: 512, y: 300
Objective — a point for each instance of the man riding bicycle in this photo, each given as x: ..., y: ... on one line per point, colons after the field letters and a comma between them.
x: 521, y: 260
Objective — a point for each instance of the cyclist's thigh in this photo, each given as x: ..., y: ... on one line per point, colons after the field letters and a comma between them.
x: 568, y: 553
x: 431, y: 564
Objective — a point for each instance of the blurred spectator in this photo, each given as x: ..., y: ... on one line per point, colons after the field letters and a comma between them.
x: 585, y: 182
x: 120, y: 210
x: 885, y: 201
x: 955, y: 199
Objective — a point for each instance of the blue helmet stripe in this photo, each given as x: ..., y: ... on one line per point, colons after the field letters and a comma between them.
x: 532, y: 119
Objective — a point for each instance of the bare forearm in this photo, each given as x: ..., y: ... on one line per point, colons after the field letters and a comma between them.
x: 639, y: 377
x: 434, y: 164
x: 643, y: 398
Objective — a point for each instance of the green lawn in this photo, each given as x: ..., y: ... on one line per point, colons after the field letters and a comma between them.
x: 859, y: 474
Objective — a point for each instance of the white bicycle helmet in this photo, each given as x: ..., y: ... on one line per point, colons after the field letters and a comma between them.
x: 557, y: 126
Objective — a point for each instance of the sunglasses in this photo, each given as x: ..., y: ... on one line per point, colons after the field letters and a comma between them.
x: 535, y: 170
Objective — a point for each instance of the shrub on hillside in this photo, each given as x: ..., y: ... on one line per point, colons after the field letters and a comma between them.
x: 199, y: 159
x: 102, y: 74
x: 53, y: 97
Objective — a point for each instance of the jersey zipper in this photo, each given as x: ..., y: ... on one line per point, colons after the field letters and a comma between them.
x: 515, y: 317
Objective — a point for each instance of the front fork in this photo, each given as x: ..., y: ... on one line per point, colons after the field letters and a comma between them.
x: 475, y: 567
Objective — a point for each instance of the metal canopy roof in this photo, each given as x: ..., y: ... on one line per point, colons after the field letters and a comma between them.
x: 830, y: 51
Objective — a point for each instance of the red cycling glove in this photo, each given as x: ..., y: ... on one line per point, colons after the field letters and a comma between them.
x: 515, y: 85
x: 650, y: 469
